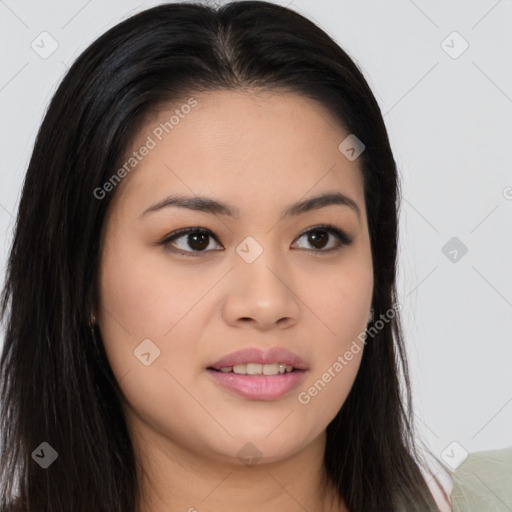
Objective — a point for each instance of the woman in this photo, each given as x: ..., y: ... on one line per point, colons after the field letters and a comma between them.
x: 200, y: 299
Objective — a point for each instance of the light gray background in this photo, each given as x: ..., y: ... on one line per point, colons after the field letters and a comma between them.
x: 450, y: 125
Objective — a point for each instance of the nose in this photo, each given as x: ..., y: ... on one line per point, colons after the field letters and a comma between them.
x: 261, y: 295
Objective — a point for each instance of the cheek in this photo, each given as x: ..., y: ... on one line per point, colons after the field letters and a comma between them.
x: 342, y: 304
x: 144, y: 294
x: 144, y: 303
x: 337, y: 360
x: 328, y: 387
x: 160, y: 397
x: 141, y: 298
x: 341, y: 300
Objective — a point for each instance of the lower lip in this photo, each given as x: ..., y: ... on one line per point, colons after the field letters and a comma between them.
x: 259, y: 387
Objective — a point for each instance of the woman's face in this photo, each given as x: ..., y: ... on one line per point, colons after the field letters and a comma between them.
x: 257, y: 279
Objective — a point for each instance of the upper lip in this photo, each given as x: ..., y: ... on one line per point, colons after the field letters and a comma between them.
x: 261, y: 356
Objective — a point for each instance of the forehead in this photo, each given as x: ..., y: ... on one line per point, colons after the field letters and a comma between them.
x: 250, y: 146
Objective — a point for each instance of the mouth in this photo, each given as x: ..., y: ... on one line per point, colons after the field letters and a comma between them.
x: 257, y: 369
x: 256, y: 361
x: 258, y: 375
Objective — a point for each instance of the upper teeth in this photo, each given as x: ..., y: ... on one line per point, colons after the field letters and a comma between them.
x: 258, y: 369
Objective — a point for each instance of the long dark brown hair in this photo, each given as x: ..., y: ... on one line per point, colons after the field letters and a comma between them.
x: 56, y: 383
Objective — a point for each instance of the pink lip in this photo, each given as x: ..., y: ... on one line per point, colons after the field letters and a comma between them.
x: 256, y: 355
x: 259, y: 387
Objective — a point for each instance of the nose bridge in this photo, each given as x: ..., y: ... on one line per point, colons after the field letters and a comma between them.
x: 259, y: 265
x: 261, y: 290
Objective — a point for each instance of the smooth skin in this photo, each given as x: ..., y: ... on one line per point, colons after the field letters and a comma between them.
x: 259, y: 152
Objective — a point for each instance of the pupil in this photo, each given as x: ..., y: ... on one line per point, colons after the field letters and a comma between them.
x: 201, y: 244
x: 314, y: 238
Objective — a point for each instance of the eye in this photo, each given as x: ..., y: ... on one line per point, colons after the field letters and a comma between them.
x: 318, y: 236
x: 196, y: 239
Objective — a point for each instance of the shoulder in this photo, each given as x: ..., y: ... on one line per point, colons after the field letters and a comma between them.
x: 483, y: 482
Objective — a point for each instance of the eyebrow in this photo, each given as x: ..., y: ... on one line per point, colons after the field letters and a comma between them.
x: 212, y: 206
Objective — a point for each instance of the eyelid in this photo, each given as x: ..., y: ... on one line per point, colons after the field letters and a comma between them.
x: 341, y: 236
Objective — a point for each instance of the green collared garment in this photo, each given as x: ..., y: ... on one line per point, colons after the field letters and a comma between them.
x: 483, y: 482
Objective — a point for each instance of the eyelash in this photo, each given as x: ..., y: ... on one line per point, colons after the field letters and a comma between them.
x: 342, y: 239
